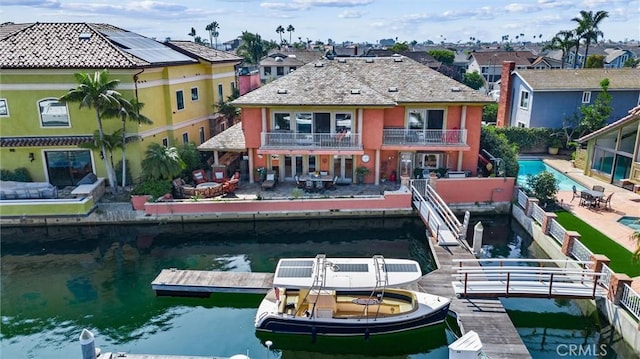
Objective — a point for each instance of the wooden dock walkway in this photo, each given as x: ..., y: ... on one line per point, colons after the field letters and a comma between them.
x: 199, y: 283
x: 487, y: 317
x: 123, y: 355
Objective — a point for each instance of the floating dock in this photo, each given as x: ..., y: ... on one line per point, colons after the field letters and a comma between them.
x: 198, y: 283
x: 122, y: 355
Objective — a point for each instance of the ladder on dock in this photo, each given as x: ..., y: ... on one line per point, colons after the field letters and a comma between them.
x: 530, y: 278
x: 440, y: 220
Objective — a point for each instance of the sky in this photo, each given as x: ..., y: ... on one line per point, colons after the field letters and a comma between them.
x: 370, y: 21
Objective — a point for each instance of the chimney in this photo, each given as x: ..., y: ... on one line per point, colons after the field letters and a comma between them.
x: 504, y: 103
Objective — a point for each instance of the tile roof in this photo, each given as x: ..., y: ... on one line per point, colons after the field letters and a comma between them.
x: 202, y: 51
x: 580, y: 79
x: 77, y: 46
x: 231, y: 139
x: 40, y: 141
x: 330, y: 82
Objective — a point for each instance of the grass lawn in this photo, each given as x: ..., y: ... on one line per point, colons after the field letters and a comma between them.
x: 621, y: 258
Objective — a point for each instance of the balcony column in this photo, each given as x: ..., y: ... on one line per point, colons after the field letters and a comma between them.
x: 360, y: 127
x: 377, y: 168
x: 264, y: 120
x: 216, y: 158
x: 463, y: 125
x: 250, y: 153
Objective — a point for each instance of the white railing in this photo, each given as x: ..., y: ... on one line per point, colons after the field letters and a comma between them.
x: 277, y: 140
x: 522, y: 198
x: 537, y: 213
x: 401, y: 136
x: 605, y: 278
x: 631, y: 300
x: 580, y: 252
x: 557, y: 231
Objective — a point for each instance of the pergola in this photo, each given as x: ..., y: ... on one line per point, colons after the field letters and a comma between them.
x: 229, y: 141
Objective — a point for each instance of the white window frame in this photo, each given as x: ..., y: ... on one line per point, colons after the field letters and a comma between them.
x: 178, y: 101
x: 220, y: 93
x: 53, y: 99
x: 586, y: 97
x: 4, y: 107
x: 197, y: 94
x: 524, y: 99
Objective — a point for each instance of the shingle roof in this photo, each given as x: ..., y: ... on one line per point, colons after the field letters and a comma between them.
x: 231, y: 139
x: 580, y: 79
x: 39, y: 141
x: 204, y: 52
x: 521, y: 58
x: 375, y: 79
x: 78, y: 45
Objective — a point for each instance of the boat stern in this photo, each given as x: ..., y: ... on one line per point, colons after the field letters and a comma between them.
x: 268, y: 306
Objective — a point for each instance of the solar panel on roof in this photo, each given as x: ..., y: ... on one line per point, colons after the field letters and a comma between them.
x: 395, y: 267
x: 145, y: 48
x: 352, y: 267
x: 294, y: 272
x: 296, y: 263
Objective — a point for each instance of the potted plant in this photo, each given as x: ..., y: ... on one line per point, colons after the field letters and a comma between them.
x: 360, y: 173
x: 554, y: 145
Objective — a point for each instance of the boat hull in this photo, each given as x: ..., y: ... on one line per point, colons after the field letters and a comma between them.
x: 352, y: 327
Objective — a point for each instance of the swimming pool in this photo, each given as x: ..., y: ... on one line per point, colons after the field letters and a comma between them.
x: 631, y: 222
x: 533, y: 167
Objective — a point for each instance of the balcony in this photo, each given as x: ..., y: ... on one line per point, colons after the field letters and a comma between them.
x: 424, y: 138
x: 310, y: 141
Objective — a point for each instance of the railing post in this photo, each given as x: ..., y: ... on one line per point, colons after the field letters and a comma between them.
x: 530, y: 203
x: 616, y: 283
x: 550, y: 284
x: 466, y: 277
x: 598, y: 260
x: 567, y: 244
x: 507, y: 288
x: 546, y: 221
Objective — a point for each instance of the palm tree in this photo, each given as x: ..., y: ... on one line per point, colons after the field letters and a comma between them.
x: 280, y: 31
x: 129, y: 110
x: 161, y: 162
x: 252, y: 47
x: 110, y: 142
x: 192, y: 33
x: 97, y: 92
x: 564, y: 41
x: 213, y: 32
x: 290, y: 29
x: 588, y: 30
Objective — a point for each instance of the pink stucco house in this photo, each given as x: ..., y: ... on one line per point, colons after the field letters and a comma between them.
x: 391, y: 115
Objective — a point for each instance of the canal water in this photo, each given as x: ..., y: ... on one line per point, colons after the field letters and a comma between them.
x: 57, y: 281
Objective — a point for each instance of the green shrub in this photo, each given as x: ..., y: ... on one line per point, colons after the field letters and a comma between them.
x: 153, y: 187
x: 529, y: 139
x: 19, y: 174
x: 499, y: 146
x: 544, y: 187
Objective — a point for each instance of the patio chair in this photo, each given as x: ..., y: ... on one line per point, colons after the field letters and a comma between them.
x: 324, y: 173
x: 298, y: 183
x: 598, y: 188
x: 219, y: 174
x: 270, y: 180
x: 199, y: 176
x: 607, y: 202
x: 587, y: 200
x: 332, y: 186
x: 308, y: 186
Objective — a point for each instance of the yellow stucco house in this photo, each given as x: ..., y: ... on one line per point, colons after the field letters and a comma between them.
x: 179, y: 83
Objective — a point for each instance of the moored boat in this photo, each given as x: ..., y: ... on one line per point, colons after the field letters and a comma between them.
x: 346, y: 297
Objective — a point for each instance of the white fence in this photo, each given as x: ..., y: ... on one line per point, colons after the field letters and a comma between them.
x: 631, y: 300
x: 557, y: 231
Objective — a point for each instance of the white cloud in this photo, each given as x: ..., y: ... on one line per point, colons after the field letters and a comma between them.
x: 351, y: 14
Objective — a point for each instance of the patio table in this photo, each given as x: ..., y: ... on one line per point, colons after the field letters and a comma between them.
x: 319, y: 181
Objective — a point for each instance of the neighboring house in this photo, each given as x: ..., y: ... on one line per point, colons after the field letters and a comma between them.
x: 545, y: 98
x: 391, y: 115
x: 613, y: 152
x: 422, y: 57
x: 280, y: 63
x: 179, y: 83
x: 616, y: 58
x: 489, y: 64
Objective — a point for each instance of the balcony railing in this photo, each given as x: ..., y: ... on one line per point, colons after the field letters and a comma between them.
x: 401, y: 136
x: 292, y: 140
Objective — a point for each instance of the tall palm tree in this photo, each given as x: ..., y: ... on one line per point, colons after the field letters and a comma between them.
x: 162, y: 162
x: 97, y: 92
x: 290, y: 29
x: 212, y: 28
x: 280, y: 31
x: 252, y: 47
x: 128, y: 110
x: 588, y: 23
x: 564, y: 41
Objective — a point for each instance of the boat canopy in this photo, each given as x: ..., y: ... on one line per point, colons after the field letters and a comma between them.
x: 345, y: 273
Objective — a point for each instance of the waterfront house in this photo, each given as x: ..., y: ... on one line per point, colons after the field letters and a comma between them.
x: 545, y: 98
x: 281, y: 62
x: 391, y: 115
x: 179, y: 83
x: 613, y: 152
